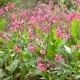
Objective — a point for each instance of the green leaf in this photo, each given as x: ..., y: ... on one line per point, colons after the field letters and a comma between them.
x: 32, y: 61
x: 68, y: 50
x: 36, y: 72
x: 74, y: 28
x: 77, y: 76
x: 12, y: 66
x: 25, y: 35
x: 61, y: 45
x: 2, y: 73
x: 2, y: 21
x: 8, y: 78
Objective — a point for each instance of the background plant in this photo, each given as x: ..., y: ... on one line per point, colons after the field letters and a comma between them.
x: 42, y: 43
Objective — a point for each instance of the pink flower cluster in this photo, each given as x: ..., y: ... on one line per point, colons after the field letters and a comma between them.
x: 77, y: 46
x: 16, y: 49
x: 42, y: 51
x: 45, y: 28
x: 15, y: 24
x: 11, y: 5
x: 31, y: 47
x: 58, y: 57
x: 41, y: 66
x: 62, y: 34
x: 31, y: 34
x: 72, y: 16
x: 2, y: 11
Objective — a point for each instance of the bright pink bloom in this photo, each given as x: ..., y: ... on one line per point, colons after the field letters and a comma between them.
x: 13, y: 16
x: 1, y: 11
x: 48, y: 65
x: 42, y: 51
x: 11, y: 5
x: 45, y: 28
x: 58, y: 57
x: 78, y: 1
x: 39, y: 59
x: 61, y: 33
x: 56, y: 8
x: 16, y: 49
x: 31, y: 34
x: 16, y: 22
x: 41, y: 66
x: 77, y: 46
x: 31, y: 47
x: 51, y: 69
x: 12, y: 29
x: 23, y: 13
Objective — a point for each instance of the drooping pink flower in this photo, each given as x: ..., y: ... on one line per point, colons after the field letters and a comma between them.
x: 23, y: 13
x: 41, y: 66
x: 31, y: 34
x: 39, y: 59
x: 77, y: 1
x: 16, y: 48
x: 56, y: 8
x: 11, y: 5
x: 77, y: 46
x: 31, y: 47
x: 61, y: 33
x: 48, y: 65
x: 13, y: 16
x: 42, y: 51
x: 12, y: 28
x: 58, y: 57
x: 16, y: 22
x: 45, y: 28
x: 1, y: 11
x: 51, y: 69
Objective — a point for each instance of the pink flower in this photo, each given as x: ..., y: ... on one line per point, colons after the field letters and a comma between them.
x: 16, y: 22
x: 31, y: 47
x: 39, y: 59
x: 23, y: 13
x: 48, y: 65
x: 42, y: 51
x: 12, y: 29
x: 45, y: 28
x: 1, y: 11
x: 13, y: 16
x: 16, y: 49
x: 56, y: 8
x: 58, y: 57
x: 31, y: 34
x: 77, y: 46
x: 41, y: 66
x: 11, y: 5
x: 61, y: 33
x: 51, y: 69
x: 78, y: 1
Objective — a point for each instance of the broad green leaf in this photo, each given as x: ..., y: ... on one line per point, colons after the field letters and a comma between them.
x: 32, y: 61
x: 61, y: 46
x: 77, y: 76
x: 74, y: 28
x: 2, y: 21
x: 25, y: 34
x: 8, y: 78
x: 2, y: 73
x: 68, y: 50
x: 36, y: 72
x: 12, y: 66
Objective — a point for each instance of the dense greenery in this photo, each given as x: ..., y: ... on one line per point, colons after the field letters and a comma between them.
x: 41, y: 42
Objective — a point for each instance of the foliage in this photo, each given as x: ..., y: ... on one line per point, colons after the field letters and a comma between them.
x: 42, y: 43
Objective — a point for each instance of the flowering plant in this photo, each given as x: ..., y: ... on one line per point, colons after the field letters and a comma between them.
x: 42, y: 43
